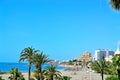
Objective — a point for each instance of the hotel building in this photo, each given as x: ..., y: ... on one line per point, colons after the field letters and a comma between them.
x: 107, y: 54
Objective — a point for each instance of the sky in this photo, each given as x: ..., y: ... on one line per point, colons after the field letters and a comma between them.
x: 62, y: 29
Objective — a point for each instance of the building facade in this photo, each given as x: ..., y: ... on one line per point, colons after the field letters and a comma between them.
x: 100, y: 53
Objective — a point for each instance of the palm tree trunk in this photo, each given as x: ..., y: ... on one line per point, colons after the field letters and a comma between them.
x: 29, y: 71
x: 40, y: 75
x: 102, y: 75
x: 51, y: 77
x: 118, y: 70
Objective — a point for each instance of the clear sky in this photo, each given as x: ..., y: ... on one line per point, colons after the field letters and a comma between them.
x: 63, y: 29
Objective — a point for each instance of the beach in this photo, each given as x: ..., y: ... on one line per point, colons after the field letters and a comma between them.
x: 75, y: 75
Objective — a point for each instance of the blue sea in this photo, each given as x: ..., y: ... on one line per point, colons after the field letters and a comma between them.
x: 23, y: 67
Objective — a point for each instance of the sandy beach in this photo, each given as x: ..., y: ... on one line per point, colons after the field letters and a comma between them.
x: 75, y: 75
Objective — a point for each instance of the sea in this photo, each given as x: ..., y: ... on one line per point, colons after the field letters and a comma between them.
x: 23, y: 67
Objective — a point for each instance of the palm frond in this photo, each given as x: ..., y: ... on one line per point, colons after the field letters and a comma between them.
x: 115, y: 4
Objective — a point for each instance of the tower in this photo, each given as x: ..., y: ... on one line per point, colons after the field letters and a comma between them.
x: 117, y: 52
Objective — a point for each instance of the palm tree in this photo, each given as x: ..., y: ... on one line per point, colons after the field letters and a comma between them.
x: 115, y: 4
x: 38, y: 60
x: 15, y: 74
x: 36, y: 75
x: 26, y: 54
x: 52, y: 73
x: 100, y: 66
x: 116, y: 62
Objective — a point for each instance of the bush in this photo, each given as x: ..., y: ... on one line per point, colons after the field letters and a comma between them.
x: 66, y: 78
x: 0, y: 78
x: 112, y: 77
x: 15, y: 74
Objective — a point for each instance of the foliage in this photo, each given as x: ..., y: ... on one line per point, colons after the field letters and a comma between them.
x: 100, y: 66
x: 15, y: 75
x: 116, y: 63
x: 38, y: 60
x: 111, y: 69
x: 51, y: 73
x: 112, y: 77
x: 0, y: 77
x: 36, y: 75
x: 70, y: 62
x: 66, y: 78
x: 115, y: 4
x: 27, y: 54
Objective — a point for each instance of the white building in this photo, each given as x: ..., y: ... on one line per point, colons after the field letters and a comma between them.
x: 100, y: 53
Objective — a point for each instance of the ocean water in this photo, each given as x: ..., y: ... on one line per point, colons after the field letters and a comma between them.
x: 23, y: 67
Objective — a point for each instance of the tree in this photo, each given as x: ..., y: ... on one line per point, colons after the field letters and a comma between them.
x: 52, y: 73
x: 116, y: 63
x: 38, y: 60
x: 26, y: 54
x: 15, y: 74
x: 115, y: 4
x: 111, y: 70
x: 36, y: 75
x: 100, y: 66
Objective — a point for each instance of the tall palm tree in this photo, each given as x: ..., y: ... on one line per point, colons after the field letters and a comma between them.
x: 52, y: 73
x: 116, y: 62
x: 26, y: 54
x: 115, y: 4
x: 38, y: 60
x: 100, y: 66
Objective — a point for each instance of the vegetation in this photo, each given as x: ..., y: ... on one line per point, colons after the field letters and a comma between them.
x: 38, y: 60
x: 115, y: 4
x: 15, y: 75
x: 51, y: 73
x: 100, y: 66
x: 27, y: 54
x: 116, y: 63
x: 111, y: 68
x: 66, y: 78
x: 0, y: 78
x: 112, y: 77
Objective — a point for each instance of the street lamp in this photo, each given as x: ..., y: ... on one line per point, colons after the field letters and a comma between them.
x: 90, y: 71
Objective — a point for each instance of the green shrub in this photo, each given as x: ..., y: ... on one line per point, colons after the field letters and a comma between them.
x: 0, y: 78
x: 112, y: 77
x: 15, y: 74
x: 66, y: 78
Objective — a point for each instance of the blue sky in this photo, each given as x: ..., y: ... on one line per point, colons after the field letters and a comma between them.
x: 62, y: 29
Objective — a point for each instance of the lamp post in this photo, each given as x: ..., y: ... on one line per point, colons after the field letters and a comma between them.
x: 90, y: 73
